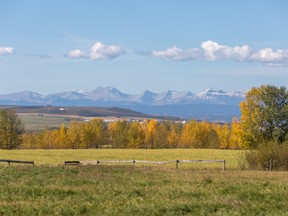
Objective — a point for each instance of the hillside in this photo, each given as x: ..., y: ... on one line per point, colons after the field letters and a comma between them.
x: 81, y: 111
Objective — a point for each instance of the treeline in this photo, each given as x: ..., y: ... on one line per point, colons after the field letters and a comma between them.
x: 147, y: 134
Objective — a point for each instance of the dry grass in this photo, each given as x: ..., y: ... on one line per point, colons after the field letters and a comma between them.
x: 57, y: 157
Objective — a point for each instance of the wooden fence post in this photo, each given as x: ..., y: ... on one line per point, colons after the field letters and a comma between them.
x: 177, y: 161
x: 271, y: 165
x: 224, y: 165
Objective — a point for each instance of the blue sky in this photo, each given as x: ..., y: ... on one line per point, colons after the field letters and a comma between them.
x: 53, y: 46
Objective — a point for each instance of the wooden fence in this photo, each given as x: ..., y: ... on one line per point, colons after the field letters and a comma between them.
x: 133, y: 162
x: 17, y: 161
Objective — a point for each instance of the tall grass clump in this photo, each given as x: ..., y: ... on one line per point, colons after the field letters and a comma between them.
x: 261, y: 157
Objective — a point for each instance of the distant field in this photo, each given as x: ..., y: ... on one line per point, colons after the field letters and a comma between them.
x: 57, y: 157
x: 36, y: 122
x: 39, y: 117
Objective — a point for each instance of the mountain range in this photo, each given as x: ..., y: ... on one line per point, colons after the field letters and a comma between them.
x: 211, y: 104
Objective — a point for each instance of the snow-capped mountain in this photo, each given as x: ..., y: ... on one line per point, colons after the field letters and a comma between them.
x: 174, y: 103
x: 107, y: 94
x: 110, y: 94
x: 213, y: 96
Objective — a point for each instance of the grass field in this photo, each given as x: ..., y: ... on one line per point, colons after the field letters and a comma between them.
x: 57, y: 157
x: 50, y: 188
x: 34, y: 122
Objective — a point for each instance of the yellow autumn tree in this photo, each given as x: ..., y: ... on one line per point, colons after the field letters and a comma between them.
x: 236, y: 141
x: 224, y: 135
x: 97, y: 133
x: 74, y: 135
x: 62, y: 138
x: 186, y: 139
x: 151, y: 134
x: 118, y: 132
x: 161, y: 135
x: 29, y: 141
x: 173, y: 137
x: 136, y: 136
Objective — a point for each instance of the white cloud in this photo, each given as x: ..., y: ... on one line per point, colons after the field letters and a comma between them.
x: 98, y: 51
x: 212, y: 51
x: 76, y: 54
x: 101, y: 51
x: 271, y: 58
x: 6, y: 50
x: 177, y: 54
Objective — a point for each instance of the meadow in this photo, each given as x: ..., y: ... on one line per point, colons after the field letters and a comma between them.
x: 50, y: 188
x: 57, y: 157
x: 34, y: 122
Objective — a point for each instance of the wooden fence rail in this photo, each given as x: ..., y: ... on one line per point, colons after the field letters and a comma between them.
x: 17, y: 161
x: 133, y: 162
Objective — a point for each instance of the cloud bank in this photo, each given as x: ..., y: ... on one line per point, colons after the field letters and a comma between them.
x: 212, y: 51
x: 98, y: 51
x: 6, y: 50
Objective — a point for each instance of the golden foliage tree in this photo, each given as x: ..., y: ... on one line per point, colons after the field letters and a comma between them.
x: 118, y: 132
x: 136, y: 136
x: 264, y: 115
x: 151, y: 133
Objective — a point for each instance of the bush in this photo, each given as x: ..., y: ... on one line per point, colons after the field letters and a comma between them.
x: 260, y: 158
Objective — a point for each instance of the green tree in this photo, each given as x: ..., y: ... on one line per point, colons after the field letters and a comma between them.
x: 264, y: 115
x: 11, y: 129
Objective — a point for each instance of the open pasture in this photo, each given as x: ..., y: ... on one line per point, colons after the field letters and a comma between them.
x: 35, y: 122
x: 50, y: 188
x: 103, y: 190
x: 57, y: 157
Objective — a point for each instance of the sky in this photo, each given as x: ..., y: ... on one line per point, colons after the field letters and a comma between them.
x: 186, y: 45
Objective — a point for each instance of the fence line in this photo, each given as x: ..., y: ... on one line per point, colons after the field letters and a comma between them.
x: 17, y: 161
x: 97, y: 162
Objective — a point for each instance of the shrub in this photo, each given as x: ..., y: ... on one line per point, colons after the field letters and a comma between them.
x: 260, y: 158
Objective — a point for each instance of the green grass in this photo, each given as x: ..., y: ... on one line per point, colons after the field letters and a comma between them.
x: 104, y: 190
x: 50, y: 188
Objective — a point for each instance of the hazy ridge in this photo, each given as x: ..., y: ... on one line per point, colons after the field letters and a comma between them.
x: 211, y: 104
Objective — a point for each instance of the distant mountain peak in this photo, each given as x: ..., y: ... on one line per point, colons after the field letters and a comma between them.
x: 210, y: 102
x: 212, y: 91
x: 111, y: 94
x: 81, y: 91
